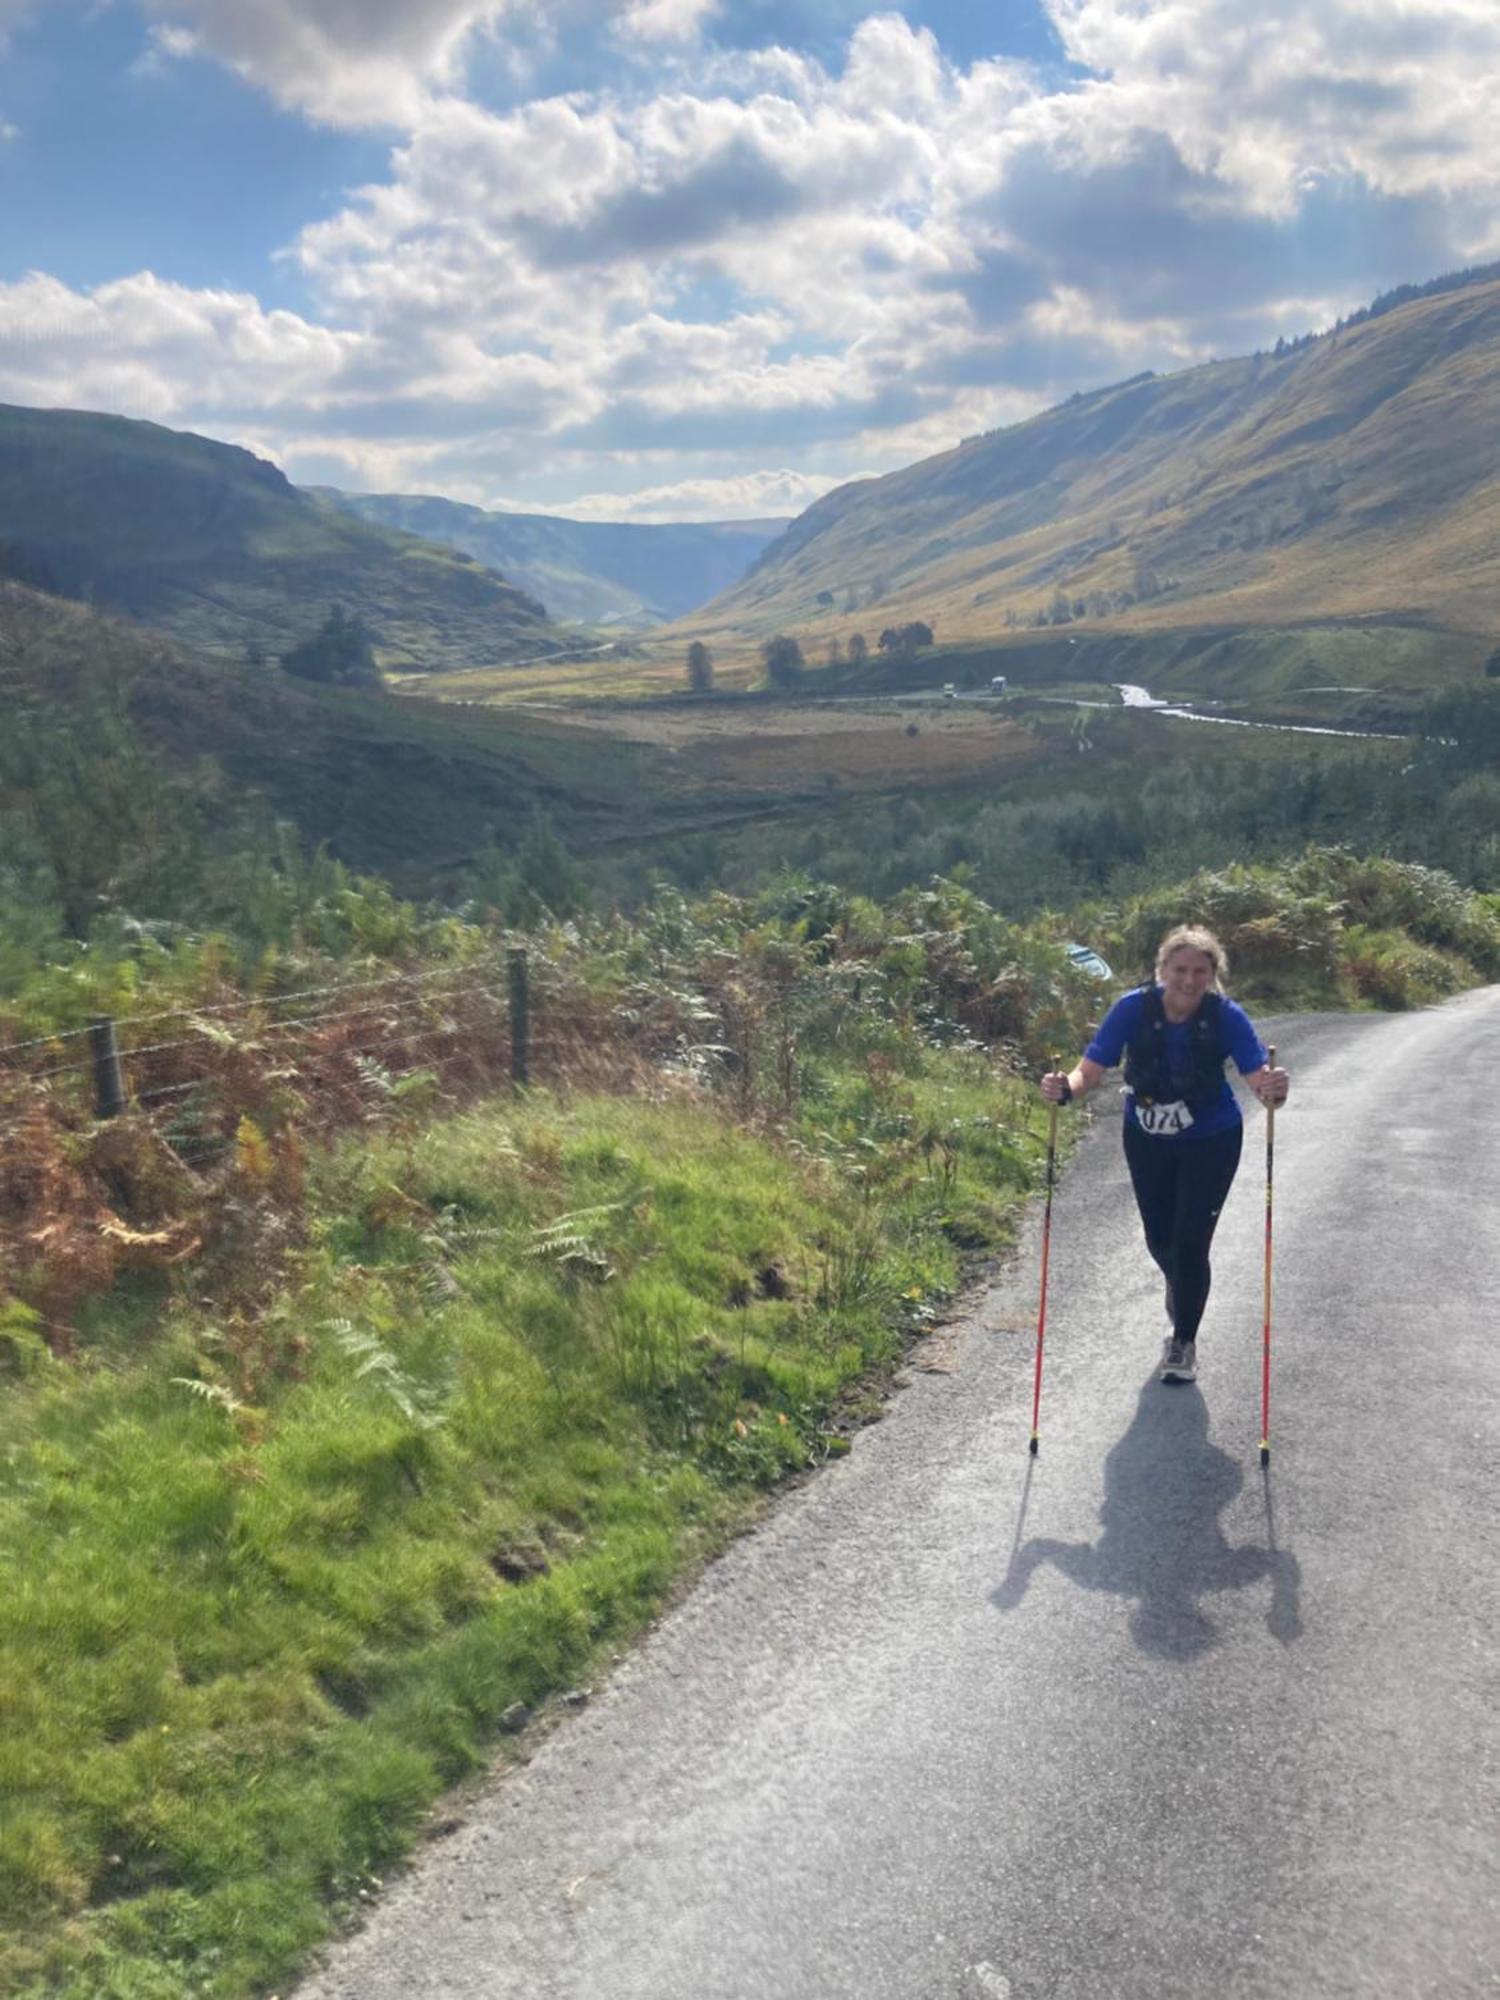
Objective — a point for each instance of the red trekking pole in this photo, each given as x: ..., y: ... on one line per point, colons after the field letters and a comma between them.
x: 1265, y: 1368
x: 1041, y: 1317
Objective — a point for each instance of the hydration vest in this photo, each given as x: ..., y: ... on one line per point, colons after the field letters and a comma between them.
x: 1147, y: 1072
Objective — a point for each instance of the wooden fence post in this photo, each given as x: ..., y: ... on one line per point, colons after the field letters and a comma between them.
x: 520, y: 1017
x: 109, y: 1077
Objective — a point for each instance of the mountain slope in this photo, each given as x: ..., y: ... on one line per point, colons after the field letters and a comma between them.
x: 217, y: 547
x: 1352, y: 476
x: 409, y: 788
x: 625, y: 574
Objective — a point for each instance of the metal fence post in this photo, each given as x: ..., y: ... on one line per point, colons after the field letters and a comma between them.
x: 109, y: 1077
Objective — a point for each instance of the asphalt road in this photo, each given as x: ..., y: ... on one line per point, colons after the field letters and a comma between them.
x: 1131, y: 1719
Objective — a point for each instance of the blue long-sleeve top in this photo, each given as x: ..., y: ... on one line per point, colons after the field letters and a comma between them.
x: 1126, y: 1022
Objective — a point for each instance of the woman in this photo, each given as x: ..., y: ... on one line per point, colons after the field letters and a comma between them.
x: 1182, y: 1124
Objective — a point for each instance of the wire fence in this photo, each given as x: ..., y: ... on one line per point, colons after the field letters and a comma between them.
x: 178, y: 1138
x: 475, y: 1023
x: 150, y: 1139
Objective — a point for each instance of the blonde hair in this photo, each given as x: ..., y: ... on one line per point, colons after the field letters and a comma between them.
x: 1194, y: 937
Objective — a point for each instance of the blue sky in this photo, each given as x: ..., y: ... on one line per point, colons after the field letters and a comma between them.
x: 677, y: 259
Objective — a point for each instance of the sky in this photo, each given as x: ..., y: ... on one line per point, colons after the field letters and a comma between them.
x: 702, y: 259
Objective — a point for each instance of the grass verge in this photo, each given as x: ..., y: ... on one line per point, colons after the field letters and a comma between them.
x: 268, y: 1588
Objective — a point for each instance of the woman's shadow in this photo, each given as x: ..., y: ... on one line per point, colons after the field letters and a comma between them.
x: 1164, y: 1488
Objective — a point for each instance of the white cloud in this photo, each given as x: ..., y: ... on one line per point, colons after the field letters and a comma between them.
x: 1404, y: 94
x: 144, y: 348
x: 576, y: 209
x: 755, y: 261
x: 748, y: 496
x: 385, y: 62
x: 665, y: 20
x: 165, y: 45
x: 348, y: 62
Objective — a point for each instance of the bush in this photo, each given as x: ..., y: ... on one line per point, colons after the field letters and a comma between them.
x: 1404, y: 896
x: 340, y: 653
x: 1386, y: 968
x: 1282, y: 939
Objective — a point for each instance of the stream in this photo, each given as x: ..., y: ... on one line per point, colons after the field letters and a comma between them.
x: 1139, y: 697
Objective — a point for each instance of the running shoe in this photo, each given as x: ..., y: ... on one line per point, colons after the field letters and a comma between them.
x: 1179, y: 1360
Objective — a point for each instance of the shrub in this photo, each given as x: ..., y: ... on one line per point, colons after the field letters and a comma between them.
x: 1386, y: 968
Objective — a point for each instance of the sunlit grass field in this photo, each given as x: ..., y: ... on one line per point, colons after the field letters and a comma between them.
x: 266, y: 1590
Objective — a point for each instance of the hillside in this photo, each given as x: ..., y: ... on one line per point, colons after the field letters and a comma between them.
x: 408, y: 788
x: 627, y: 575
x: 216, y: 547
x: 1348, y: 477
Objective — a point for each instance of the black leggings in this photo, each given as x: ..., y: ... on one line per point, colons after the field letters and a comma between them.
x: 1180, y: 1186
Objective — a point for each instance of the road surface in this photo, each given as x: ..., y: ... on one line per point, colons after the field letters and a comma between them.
x: 1133, y: 1719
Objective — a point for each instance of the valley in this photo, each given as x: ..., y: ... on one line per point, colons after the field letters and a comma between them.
x: 557, y: 1104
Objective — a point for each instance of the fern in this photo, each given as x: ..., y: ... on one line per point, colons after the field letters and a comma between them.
x: 629, y: 1202
x: 375, y: 1075
x: 563, y: 1243
x: 422, y: 1405
x: 18, y: 1328
x: 571, y: 1253
x: 415, y: 1086
x: 209, y: 1392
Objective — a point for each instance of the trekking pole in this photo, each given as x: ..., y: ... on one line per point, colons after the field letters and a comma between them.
x: 1265, y: 1365
x: 1041, y: 1317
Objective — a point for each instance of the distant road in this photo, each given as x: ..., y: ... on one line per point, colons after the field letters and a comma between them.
x: 1125, y: 1723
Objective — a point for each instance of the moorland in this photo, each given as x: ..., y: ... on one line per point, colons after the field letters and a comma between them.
x: 362, y: 1395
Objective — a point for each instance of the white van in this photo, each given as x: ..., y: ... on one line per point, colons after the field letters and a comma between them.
x: 997, y: 684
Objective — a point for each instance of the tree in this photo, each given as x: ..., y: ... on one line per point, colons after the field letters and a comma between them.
x: 782, y: 657
x: 700, y: 668
x: 1492, y: 665
x: 1465, y: 720
x: 339, y: 654
x: 835, y: 651
x: 530, y: 883
x: 859, y: 649
x: 904, y: 640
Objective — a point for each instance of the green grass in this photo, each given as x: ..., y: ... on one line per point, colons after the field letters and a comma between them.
x: 268, y: 1590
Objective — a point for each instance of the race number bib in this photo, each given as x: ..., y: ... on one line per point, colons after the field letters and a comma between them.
x: 1163, y: 1120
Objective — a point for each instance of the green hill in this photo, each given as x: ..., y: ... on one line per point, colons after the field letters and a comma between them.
x: 216, y: 547
x: 1344, y: 478
x: 628, y: 575
x: 407, y: 788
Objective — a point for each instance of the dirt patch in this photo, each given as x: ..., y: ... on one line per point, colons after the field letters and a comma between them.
x: 796, y: 748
